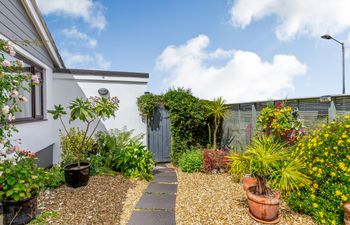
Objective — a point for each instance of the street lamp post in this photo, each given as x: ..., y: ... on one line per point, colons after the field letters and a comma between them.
x: 328, y: 37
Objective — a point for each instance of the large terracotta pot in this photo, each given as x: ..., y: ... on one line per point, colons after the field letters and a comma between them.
x: 248, y: 182
x: 264, y: 209
x: 346, y: 208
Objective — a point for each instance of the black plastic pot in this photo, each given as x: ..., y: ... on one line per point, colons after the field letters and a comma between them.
x: 20, y: 212
x: 77, y: 176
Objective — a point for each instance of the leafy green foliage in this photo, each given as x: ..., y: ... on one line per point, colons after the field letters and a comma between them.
x: 267, y: 158
x: 119, y: 150
x: 87, y: 111
x: 216, y: 110
x: 134, y: 160
x: 147, y: 103
x: 20, y: 177
x: 280, y: 121
x: 53, y: 177
x: 188, y: 118
x: 70, y: 144
x: 325, y: 151
x: 43, y: 218
x: 191, y: 161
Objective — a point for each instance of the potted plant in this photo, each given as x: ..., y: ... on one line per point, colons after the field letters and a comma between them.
x: 90, y: 111
x: 20, y: 183
x: 268, y: 160
x: 216, y: 110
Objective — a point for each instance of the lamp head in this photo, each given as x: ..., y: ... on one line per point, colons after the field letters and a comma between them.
x: 326, y: 36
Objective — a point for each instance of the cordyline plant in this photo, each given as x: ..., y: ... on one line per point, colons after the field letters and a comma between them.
x: 88, y: 111
x: 216, y: 110
x: 12, y: 80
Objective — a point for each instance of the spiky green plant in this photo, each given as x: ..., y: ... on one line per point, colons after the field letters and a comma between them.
x: 216, y: 110
x: 267, y: 158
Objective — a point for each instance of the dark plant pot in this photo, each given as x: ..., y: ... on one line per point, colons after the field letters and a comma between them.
x: 20, y: 212
x: 264, y: 209
x: 77, y: 176
x: 248, y: 182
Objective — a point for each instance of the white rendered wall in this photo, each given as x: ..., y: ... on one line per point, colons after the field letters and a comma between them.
x: 67, y: 87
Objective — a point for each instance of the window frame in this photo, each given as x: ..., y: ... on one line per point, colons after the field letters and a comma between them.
x: 34, y: 117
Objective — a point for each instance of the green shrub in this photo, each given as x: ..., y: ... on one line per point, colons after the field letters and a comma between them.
x: 188, y: 118
x: 191, y: 161
x: 54, y: 177
x: 69, y: 145
x: 326, y: 152
x: 134, y: 160
x: 188, y: 121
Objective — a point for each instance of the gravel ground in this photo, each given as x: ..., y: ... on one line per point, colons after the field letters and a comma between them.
x: 204, y: 199
x: 132, y: 197
x: 100, y: 202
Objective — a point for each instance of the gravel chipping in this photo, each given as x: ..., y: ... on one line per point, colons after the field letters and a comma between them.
x: 132, y: 197
x: 101, y: 202
x: 216, y: 199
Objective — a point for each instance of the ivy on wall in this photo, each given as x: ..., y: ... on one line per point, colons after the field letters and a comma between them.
x: 188, y: 118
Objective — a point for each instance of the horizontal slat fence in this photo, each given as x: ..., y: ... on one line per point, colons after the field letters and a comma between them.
x: 240, y: 122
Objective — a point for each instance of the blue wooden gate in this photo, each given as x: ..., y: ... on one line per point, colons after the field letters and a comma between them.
x: 158, y: 133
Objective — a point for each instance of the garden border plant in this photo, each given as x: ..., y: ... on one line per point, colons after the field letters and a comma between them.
x: 86, y: 111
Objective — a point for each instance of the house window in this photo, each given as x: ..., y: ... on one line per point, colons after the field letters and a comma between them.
x: 33, y: 109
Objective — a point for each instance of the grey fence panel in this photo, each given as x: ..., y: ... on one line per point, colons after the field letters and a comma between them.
x: 240, y: 123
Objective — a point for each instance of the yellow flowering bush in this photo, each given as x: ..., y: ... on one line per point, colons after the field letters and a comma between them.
x: 326, y: 154
x: 281, y: 121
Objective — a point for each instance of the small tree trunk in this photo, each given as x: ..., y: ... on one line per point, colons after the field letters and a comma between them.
x: 214, y: 137
x: 261, y: 188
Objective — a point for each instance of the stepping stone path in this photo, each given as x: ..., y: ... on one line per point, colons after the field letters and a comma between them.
x: 157, y: 205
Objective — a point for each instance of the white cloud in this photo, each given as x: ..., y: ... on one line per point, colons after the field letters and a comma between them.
x: 91, y: 11
x: 244, y: 77
x: 296, y: 17
x: 85, y: 61
x: 73, y: 33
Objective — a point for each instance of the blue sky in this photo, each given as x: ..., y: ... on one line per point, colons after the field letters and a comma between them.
x: 243, y: 50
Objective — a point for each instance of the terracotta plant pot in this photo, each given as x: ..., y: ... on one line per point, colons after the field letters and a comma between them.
x: 248, y: 182
x: 346, y: 208
x: 77, y: 176
x: 264, y: 209
x: 19, y: 212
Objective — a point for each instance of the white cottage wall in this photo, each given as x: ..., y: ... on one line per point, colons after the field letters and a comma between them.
x: 67, y: 87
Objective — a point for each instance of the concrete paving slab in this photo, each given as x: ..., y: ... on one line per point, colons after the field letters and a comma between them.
x: 156, y: 201
x: 152, y: 218
x: 170, y: 179
x: 162, y: 188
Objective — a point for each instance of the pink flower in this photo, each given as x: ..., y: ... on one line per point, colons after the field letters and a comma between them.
x: 35, y: 79
x: 22, y: 98
x: 11, y: 117
x: 6, y: 63
x: 5, y: 110
x: 9, y: 48
x: 12, y: 53
x: 20, y: 63
x: 10, y: 150
x: 14, y: 93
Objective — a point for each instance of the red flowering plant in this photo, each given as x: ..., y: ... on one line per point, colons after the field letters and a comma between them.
x: 281, y: 121
x: 215, y: 161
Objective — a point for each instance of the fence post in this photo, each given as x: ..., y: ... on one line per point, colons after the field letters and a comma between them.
x: 332, y: 111
x: 253, y: 118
